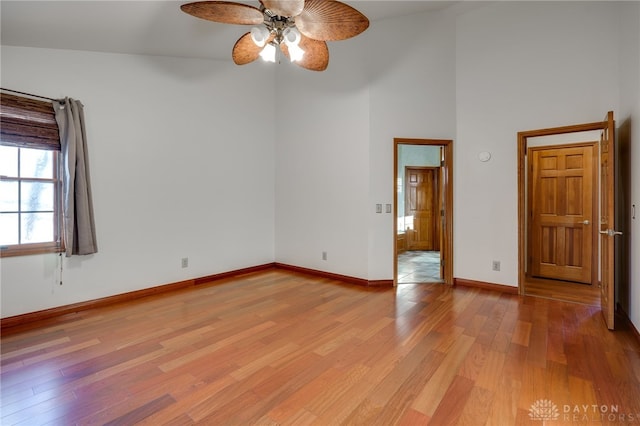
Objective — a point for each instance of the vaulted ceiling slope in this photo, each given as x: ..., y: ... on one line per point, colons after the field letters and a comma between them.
x: 146, y: 27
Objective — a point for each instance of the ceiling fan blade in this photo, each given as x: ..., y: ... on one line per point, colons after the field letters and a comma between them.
x: 225, y: 12
x: 284, y: 7
x: 316, y: 54
x: 245, y: 50
x: 330, y: 20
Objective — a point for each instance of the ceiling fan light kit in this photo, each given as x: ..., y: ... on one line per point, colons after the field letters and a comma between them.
x: 282, y: 30
x: 298, y: 28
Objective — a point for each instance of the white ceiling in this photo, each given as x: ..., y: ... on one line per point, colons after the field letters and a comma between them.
x: 147, y: 27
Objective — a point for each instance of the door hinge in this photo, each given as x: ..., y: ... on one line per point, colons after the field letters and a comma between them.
x: 442, y: 212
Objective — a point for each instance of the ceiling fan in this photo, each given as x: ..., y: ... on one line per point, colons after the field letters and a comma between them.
x: 299, y: 28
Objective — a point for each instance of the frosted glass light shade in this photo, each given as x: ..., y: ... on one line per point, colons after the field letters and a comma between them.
x: 295, y: 52
x: 268, y: 54
x: 291, y: 36
x: 259, y: 35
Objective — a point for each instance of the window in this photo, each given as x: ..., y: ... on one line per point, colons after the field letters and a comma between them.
x: 29, y: 199
x: 30, y: 186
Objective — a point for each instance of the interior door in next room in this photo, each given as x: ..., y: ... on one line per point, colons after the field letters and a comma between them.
x: 561, y: 197
x: 422, y: 204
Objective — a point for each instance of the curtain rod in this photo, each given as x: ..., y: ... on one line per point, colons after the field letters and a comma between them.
x: 30, y: 94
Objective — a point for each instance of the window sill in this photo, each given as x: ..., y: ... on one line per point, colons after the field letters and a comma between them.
x: 31, y: 249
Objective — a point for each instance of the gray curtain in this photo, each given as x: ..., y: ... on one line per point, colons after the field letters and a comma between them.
x: 77, y: 206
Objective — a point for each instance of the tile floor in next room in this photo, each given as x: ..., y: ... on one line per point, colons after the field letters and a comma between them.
x: 419, y: 266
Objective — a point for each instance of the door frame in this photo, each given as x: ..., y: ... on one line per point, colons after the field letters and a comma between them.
x: 446, y: 250
x: 522, y: 176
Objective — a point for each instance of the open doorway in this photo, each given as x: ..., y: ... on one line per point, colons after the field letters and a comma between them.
x: 593, y: 215
x: 561, y: 214
x: 423, y: 238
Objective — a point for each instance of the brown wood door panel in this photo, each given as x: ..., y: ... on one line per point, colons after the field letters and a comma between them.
x: 422, y: 195
x: 562, y: 210
x: 607, y: 220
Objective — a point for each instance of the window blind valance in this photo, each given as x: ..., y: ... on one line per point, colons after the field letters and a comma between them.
x: 27, y: 122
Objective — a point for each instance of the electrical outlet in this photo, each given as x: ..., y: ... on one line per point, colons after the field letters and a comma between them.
x: 495, y: 265
x: 324, y: 255
x: 185, y: 262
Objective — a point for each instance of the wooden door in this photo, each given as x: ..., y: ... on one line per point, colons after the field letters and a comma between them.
x: 441, y: 205
x: 561, y: 197
x: 421, y: 202
x: 607, y: 220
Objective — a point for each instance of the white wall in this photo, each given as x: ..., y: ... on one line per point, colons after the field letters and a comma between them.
x: 176, y: 172
x: 335, y: 144
x: 476, y: 75
x: 629, y: 113
x: 322, y: 168
x: 411, y: 63
x: 520, y: 66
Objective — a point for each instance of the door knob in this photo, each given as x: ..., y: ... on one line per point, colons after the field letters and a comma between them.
x: 585, y: 222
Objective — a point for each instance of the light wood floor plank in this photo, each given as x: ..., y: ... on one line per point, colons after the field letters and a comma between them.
x: 283, y: 348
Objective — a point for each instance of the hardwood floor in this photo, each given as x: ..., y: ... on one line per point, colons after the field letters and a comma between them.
x: 563, y: 290
x: 278, y: 348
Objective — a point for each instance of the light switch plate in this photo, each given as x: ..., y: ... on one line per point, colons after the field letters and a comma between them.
x: 378, y: 208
